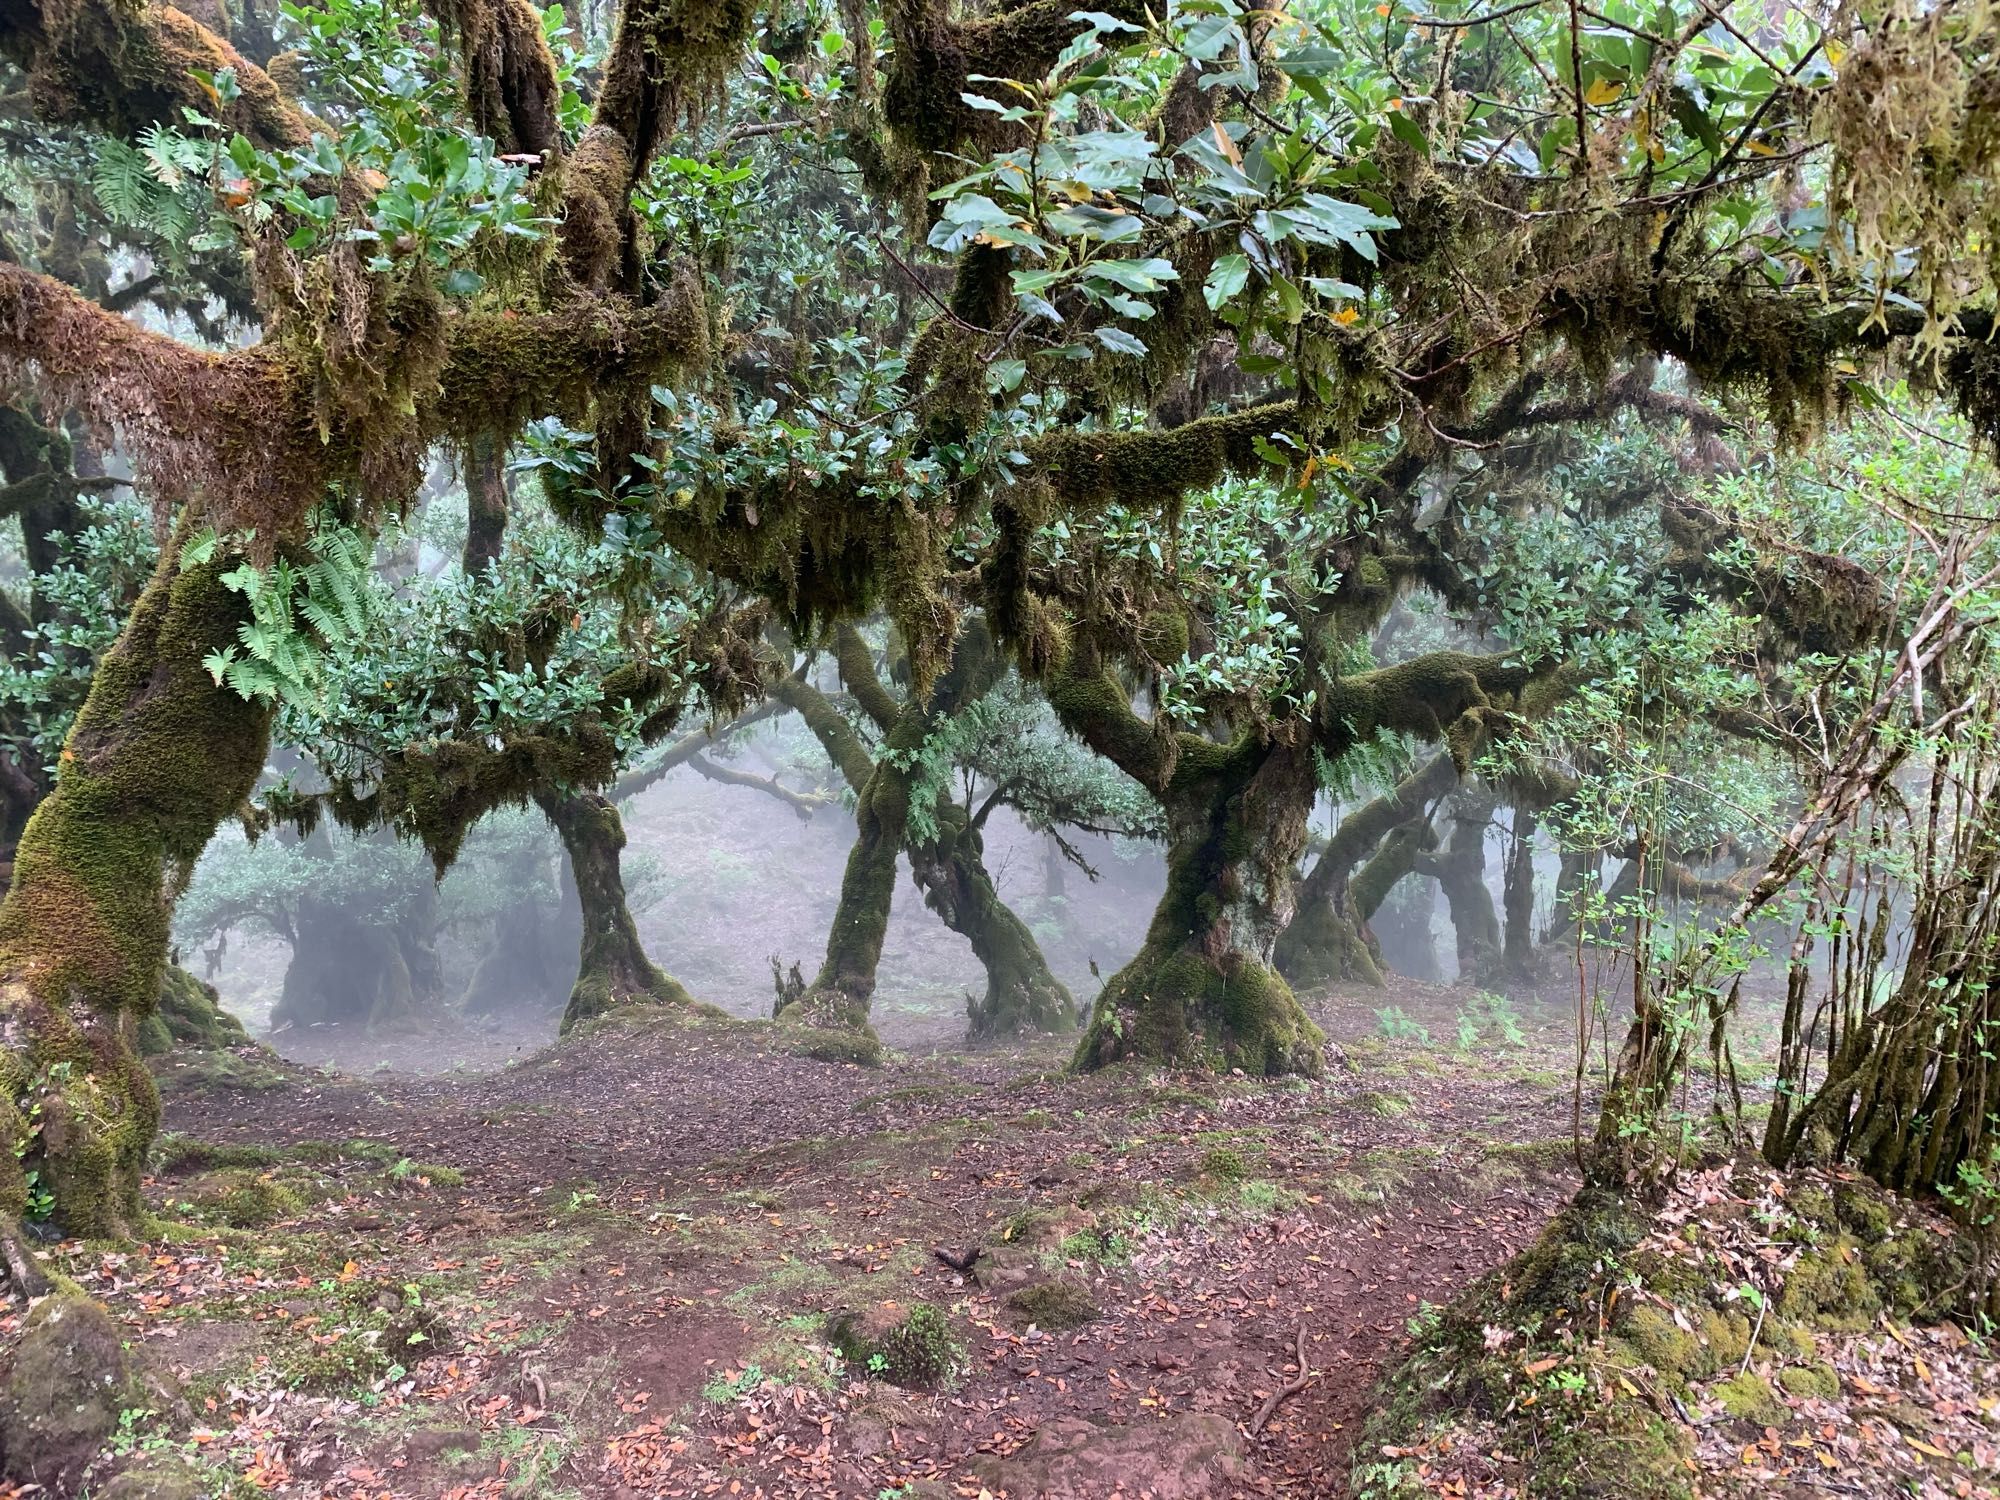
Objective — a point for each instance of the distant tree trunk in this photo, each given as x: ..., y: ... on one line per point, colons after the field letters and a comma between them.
x: 839, y: 997
x: 158, y: 757
x: 1055, y: 869
x: 1402, y: 928
x: 530, y: 962
x: 345, y: 971
x: 1518, y: 896
x: 612, y: 968
x: 1022, y: 995
x: 1577, y: 877
x: 1327, y: 938
x: 485, y: 503
x: 1461, y: 872
x: 348, y: 968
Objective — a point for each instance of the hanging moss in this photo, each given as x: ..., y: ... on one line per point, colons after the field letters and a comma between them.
x: 510, y: 75
x: 124, y: 67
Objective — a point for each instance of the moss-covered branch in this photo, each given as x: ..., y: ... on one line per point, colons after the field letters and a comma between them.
x: 121, y: 67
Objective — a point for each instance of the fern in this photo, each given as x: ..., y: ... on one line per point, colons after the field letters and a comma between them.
x: 297, y: 611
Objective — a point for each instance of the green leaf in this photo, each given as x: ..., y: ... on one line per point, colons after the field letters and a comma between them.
x: 1228, y: 276
x: 1118, y: 341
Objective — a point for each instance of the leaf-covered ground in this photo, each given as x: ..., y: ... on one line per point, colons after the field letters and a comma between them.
x: 609, y: 1271
x: 627, y: 1267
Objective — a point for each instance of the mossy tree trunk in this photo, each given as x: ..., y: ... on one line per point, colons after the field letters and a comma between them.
x: 189, y: 1014
x: 1461, y: 874
x: 1202, y: 988
x: 1517, y: 897
x: 612, y: 968
x: 485, y: 503
x: 158, y: 757
x: 1328, y: 938
x: 840, y: 995
x: 1023, y: 996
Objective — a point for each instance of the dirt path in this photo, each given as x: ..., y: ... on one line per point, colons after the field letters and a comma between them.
x: 607, y: 1271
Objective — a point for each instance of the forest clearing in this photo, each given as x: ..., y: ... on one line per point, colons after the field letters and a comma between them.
x: 989, y: 750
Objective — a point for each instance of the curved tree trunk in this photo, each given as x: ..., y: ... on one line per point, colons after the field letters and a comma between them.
x: 158, y: 757
x: 1202, y: 988
x: 1022, y: 995
x: 1328, y: 938
x: 612, y: 968
x: 840, y: 995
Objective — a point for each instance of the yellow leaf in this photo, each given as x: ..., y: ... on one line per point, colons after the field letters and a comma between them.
x: 1225, y: 145
x: 1603, y: 91
x: 1923, y: 1447
x: 349, y: 1271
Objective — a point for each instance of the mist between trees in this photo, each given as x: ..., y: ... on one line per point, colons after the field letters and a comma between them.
x: 897, y: 535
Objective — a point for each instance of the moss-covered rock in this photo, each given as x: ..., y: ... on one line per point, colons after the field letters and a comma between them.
x: 1747, y: 1396
x: 1055, y: 1305
x: 909, y: 1344
x: 69, y: 1382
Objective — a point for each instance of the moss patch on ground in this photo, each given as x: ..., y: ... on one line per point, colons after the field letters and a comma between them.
x: 1696, y: 1348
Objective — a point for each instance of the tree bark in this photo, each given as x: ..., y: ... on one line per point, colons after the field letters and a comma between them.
x: 1518, y: 896
x: 158, y: 757
x: 612, y: 968
x: 485, y: 503
x: 1202, y: 988
x: 1327, y: 938
x: 1022, y: 995
x: 1461, y: 873
x: 839, y: 997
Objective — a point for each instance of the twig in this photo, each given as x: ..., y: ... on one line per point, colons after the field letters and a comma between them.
x: 1288, y: 1389
x: 1763, y: 1302
x: 22, y: 1271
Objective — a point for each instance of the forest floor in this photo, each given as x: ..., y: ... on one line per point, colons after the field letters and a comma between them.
x: 608, y: 1270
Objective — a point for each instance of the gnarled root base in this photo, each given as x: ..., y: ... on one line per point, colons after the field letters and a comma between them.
x: 1321, y: 946
x: 829, y: 1025
x: 1026, y: 1006
x: 1185, y: 1008
x: 601, y: 991
x: 189, y: 1014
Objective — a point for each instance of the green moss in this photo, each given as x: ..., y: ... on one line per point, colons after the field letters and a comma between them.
x: 1830, y: 1286
x: 1820, y: 1382
x: 1224, y: 1164
x: 910, y: 1346
x: 157, y: 757
x: 1747, y: 1396
x: 1389, y: 1106
x: 1055, y: 1305
x: 1662, y: 1343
